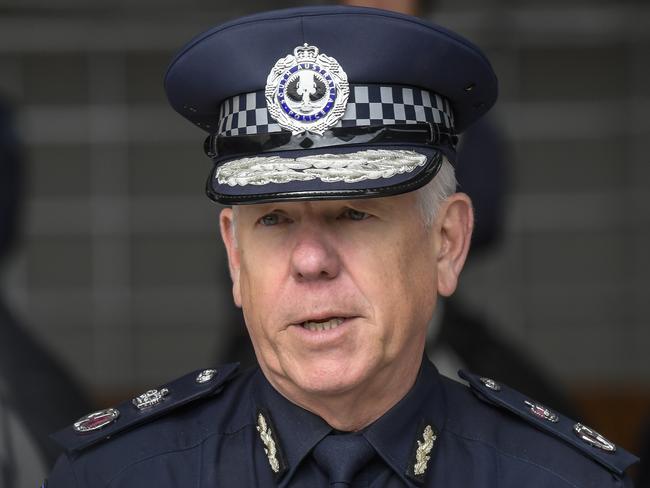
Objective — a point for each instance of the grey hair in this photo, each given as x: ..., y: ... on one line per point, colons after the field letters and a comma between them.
x: 441, y: 187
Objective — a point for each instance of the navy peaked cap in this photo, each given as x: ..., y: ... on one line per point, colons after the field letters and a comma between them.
x: 328, y: 102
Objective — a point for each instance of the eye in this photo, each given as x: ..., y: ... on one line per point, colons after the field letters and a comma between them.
x: 270, y: 219
x: 352, y: 214
x: 273, y: 218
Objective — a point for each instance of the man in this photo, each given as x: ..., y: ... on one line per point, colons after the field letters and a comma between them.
x: 333, y: 134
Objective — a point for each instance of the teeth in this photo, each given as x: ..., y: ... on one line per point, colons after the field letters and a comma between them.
x: 319, y: 326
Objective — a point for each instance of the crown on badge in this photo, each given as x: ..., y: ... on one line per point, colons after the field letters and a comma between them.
x: 305, y: 53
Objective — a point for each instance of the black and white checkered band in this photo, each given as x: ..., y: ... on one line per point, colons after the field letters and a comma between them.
x: 367, y: 105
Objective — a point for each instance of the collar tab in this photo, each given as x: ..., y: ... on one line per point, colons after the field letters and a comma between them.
x: 272, y: 447
x: 421, y: 454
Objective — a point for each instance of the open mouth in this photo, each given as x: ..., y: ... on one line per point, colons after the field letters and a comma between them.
x: 320, y: 325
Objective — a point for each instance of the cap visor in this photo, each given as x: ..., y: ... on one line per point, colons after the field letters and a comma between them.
x: 327, y: 173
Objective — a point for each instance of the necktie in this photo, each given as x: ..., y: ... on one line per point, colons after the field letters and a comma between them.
x: 342, y: 457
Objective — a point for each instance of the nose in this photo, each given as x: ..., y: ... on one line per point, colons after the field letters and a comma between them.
x: 313, y: 256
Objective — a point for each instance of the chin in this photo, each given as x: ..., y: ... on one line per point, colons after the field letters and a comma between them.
x: 330, y: 376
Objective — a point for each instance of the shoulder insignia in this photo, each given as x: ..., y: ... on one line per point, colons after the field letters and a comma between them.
x: 101, y: 425
x: 586, y: 440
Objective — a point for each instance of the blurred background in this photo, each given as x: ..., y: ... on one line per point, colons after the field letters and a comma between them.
x: 119, y: 271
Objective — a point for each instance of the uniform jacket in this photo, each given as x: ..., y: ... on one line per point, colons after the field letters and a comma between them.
x: 237, y: 431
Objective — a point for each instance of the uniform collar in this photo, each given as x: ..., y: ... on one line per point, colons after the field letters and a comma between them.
x: 297, y: 430
x: 394, y: 435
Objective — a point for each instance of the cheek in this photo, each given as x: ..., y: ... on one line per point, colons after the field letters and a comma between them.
x: 266, y: 292
x: 420, y: 269
x: 402, y: 265
x: 403, y: 285
x: 258, y: 281
x: 381, y: 275
x: 259, y: 305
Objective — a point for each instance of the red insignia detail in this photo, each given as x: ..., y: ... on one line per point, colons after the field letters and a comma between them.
x: 96, y: 420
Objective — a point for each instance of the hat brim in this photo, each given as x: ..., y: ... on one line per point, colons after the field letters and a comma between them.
x: 361, y: 171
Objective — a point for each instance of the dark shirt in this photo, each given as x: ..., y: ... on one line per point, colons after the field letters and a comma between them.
x: 214, y: 442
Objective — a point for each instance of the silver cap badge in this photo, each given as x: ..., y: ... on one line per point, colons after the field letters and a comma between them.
x: 96, y: 420
x: 307, y: 91
x: 150, y: 398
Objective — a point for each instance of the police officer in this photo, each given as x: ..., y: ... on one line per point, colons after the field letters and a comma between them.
x: 333, y: 136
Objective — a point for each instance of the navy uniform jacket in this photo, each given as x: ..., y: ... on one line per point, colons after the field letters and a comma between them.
x: 209, y: 436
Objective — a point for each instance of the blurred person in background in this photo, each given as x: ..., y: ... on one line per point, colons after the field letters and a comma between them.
x: 37, y: 395
x: 458, y: 338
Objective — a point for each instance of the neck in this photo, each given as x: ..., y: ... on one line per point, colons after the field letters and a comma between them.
x: 355, y: 409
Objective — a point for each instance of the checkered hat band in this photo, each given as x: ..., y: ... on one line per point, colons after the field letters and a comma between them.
x: 367, y: 105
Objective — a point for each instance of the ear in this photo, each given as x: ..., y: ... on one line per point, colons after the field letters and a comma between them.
x: 454, y: 223
x: 226, y: 224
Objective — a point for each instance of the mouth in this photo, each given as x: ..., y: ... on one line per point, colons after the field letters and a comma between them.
x: 321, y: 325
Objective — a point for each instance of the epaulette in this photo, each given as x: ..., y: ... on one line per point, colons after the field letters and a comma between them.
x: 583, y: 438
x: 104, y: 424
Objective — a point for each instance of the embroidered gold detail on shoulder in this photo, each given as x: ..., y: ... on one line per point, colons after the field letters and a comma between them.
x: 269, y: 443
x: 424, y: 448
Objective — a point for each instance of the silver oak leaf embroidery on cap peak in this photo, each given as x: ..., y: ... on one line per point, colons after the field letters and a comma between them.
x: 269, y: 443
x: 349, y: 168
x: 424, y: 448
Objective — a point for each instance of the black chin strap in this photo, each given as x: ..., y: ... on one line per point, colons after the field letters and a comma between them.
x: 423, y: 133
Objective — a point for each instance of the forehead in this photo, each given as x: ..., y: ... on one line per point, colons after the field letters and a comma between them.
x: 405, y: 204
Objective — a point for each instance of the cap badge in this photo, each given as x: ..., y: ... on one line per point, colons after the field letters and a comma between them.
x: 96, y: 420
x: 307, y: 91
x: 150, y: 398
